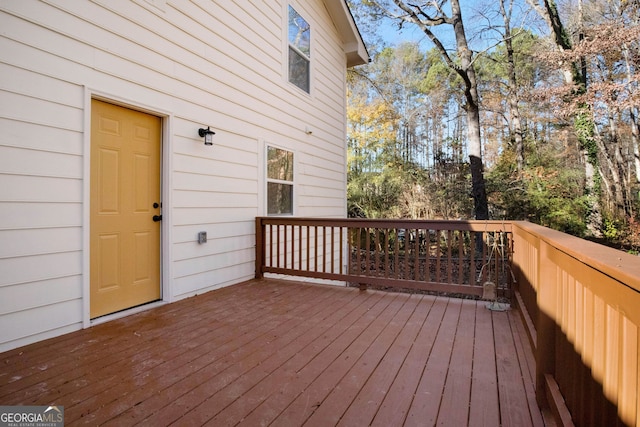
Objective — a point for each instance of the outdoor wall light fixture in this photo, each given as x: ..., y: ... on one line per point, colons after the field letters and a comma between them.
x: 207, y: 134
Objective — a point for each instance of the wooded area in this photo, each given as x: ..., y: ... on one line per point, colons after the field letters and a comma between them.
x: 516, y: 109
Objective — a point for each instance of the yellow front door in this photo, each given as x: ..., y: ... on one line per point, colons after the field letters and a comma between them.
x: 125, y: 208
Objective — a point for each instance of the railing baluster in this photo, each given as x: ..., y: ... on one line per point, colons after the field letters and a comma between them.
x: 300, y: 247
x: 449, y: 257
x: 396, y: 254
x: 341, y: 259
x: 332, y: 253
x: 461, y: 262
x: 437, y: 254
x: 484, y: 257
x: 416, y: 264
x: 472, y: 256
x: 308, y: 247
x: 406, y: 247
x: 407, y: 255
x: 356, y: 243
x: 367, y: 252
x: 271, y: 241
x: 324, y: 249
x: 285, y: 237
x: 315, y: 245
x: 386, y: 252
x: 377, y: 255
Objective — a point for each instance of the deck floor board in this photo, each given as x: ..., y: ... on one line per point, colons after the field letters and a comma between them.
x: 283, y: 353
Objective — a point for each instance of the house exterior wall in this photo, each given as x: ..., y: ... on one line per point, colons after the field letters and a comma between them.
x: 195, y: 64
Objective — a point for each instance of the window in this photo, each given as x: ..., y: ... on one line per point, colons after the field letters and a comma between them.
x: 299, y: 50
x: 279, y: 181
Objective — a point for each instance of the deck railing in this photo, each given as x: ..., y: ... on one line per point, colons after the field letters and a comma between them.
x: 443, y: 256
x: 579, y: 300
x: 582, y: 306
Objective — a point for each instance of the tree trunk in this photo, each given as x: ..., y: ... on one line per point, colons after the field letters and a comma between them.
x: 514, y: 111
x: 424, y: 20
x: 584, y: 125
x: 615, y: 190
x: 478, y: 190
x: 472, y: 108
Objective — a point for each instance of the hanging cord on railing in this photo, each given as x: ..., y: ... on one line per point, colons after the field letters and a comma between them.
x: 489, y: 288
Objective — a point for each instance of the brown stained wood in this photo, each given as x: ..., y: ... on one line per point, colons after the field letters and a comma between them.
x: 324, y: 249
x: 67, y: 362
x: 281, y: 352
x: 368, y: 401
x: 424, y: 408
x: 254, y: 386
x: 416, y: 261
x: 369, y: 398
x: 448, y: 261
x: 376, y: 253
x: 304, y: 367
x: 386, y: 253
x: 527, y: 365
x: 484, y: 409
x: 208, y: 356
x: 454, y: 409
x: 315, y: 254
x: 395, y: 406
x: 310, y: 248
x: 300, y: 249
x: 317, y: 378
x: 437, y: 255
x: 252, y: 360
x: 285, y: 243
x: 472, y: 257
x: 461, y: 256
x: 545, y: 264
x: 343, y: 357
x: 514, y: 406
x: 396, y: 251
x: 341, y: 397
x: 367, y: 250
x: 333, y: 250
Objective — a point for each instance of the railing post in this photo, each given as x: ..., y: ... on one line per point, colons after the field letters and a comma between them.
x: 260, y: 248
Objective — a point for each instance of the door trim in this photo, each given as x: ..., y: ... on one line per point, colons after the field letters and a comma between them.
x: 165, y: 167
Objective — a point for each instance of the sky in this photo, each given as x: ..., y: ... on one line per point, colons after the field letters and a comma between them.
x: 472, y: 18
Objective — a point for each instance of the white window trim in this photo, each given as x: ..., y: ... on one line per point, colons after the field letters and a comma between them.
x: 263, y: 199
x: 286, y: 45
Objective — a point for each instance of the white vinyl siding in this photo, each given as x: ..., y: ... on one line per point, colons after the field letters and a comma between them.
x: 200, y: 63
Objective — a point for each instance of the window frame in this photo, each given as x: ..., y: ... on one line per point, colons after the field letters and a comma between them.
x: 300, y: 54
x: 268, y: 180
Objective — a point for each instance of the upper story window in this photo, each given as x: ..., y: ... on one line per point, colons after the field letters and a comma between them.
x: 279, y: 181
x: 299, y: 50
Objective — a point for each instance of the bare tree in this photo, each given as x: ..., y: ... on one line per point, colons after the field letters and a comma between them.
x: 429, y: 14
x: 514, y: 110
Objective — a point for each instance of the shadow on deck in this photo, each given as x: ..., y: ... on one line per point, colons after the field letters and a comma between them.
x: 287, y: 353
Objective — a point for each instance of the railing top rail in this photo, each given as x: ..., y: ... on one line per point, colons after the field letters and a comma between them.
x: 466, y: 225
x: 619, y: 265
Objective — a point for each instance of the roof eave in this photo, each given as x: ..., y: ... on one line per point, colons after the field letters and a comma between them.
x: 354, y: 46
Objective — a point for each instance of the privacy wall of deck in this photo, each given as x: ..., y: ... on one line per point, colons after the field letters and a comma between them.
x: 101, y: 106
x: 583, y: 301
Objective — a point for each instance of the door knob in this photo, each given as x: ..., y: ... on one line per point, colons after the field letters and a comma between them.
x: 157, y: 218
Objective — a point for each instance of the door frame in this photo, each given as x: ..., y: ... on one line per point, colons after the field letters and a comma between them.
x: 165, y: 225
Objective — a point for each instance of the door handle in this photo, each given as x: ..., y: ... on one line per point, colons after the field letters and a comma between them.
x: 157, y: 218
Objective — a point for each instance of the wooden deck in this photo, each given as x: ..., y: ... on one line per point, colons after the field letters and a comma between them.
x: 284, y: 353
